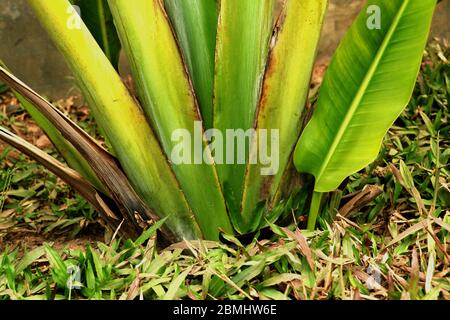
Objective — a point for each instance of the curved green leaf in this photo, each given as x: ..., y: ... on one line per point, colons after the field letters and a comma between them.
x: 195, y: 24
x: 369, y: 82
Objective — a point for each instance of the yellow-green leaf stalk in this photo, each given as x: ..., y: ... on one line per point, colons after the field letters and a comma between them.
x: 243, y: 36
x: 283, y: 98
x: 118, y: 114
x: 165, y: 90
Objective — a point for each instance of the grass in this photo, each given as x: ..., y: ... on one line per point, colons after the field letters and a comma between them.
x: 384, y: 235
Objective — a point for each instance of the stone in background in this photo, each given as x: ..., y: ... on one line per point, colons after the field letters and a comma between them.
x: 27, y: 51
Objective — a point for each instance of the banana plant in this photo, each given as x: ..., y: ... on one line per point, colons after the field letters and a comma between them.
x: 222, y: 88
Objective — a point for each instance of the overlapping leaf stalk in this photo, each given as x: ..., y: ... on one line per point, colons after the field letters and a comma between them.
x: 120, y: 117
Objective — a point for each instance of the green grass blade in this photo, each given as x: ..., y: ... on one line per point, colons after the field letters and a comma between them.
x: 147, y: 234
x: 29, y: 258
x: 58, y: 267
x: 166, y: 94
x: 284, y: 95
x: 195, y: 24
x: 369, y: 82
x: 175, y: 285
x: 243, y: 37
x: 118, y: 114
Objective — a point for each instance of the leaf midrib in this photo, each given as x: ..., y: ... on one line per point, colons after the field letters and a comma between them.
x: 362, y: 89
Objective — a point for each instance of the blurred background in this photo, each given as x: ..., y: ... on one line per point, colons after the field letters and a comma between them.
x: 27, y: 51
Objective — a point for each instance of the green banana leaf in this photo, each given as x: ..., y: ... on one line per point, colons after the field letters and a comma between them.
x: 164, y: 88
x: 244, y: 32
x: 368, y: 83
x: 195, y: 24
x: 98, y: 19
x: 284, y: 95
